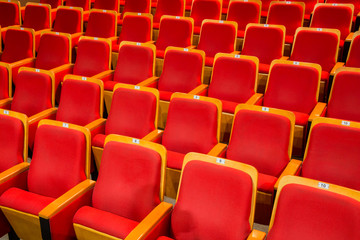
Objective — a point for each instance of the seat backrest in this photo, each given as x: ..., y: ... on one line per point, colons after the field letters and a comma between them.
x: 136, y: 62
x: 19, y: 44
x: 244, y: 12
x: 259, y: 132
x: 229, y: 204
x: 37, y: 16
x: 323, y: 17
x: 69, y: 20
x: 183, y: 70
x: 323, y: 211
x: 355, y: 3
x: 34, y: 91
x: 113, y: 5
x: 288, y: 14
x: 172, y: 8
x: 293, y: 86
x: 310, y: 5
x: 205, y: 9
x: 61, y: 158
x: 234, y: 77
x: 343, y: 101
x: 175, y: 31
x: 84, y: 4
x: 192, y: 123
x: 5, y: 81
x: 10, y: 13
x: 264, y: 41
x: 93, y: 56
x: 81, y: 101
x: 131, y: 177
x: 316, y: 46
x: 52, y: 3
x: 136, y: 6
x: 332, y: 152
x: 13, y: 139
x: 353, y: 58
x: 134, y: 111
x: 102, y: 24
x: 217, y: 36
x: 54, y: 50
x: 137, y: 27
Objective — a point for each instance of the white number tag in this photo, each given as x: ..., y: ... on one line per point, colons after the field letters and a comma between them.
x: 220, y: 160
x: 135, y: 140
x: 323, y: 185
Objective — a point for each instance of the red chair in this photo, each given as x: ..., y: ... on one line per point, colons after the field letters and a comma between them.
x: 84, y: 4
x: 353, y: 59
x: 204, y: 9
x: 334, y: 211
x: 170, y: 8
x: 309, y: 8
x: 10, y: 15
x: 5, y: 86
x: 135, y: 6
x: 228, y: 203
x: 129, y: 187
x: 356, y: 5
x: 53, y: 191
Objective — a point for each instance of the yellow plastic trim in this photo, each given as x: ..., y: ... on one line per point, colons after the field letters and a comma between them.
x: 258, y: 2
x: 180, y: 18
x: 29, y: 30
x: 214, y: 101
x: 160, y: 149
x: 302, y: 4
x: 250, y: 170
x: 83, y: 130
x: 67, y: 35
x: 108, y: 42
x: 148, y: 15
x: 256, y: 235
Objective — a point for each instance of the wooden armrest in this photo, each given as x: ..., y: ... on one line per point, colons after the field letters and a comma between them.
x: 349, y: 37
x: 38, y: 32
x: 199, y: 89
x: 317, y: 111
x: 217, y: 149
x: 62, y: 68
x: 236, y: 52
x: 153, y: 135
x: 337, y: 65
x: 5, y: 102
x: 22, y: 62
x: 150, y: 221
x: 151, y: 42
x: 67, y: 198
x: 113, y: 39
x: 254, y: 99
x: 78, y: 34
x: 41, y: 115
x: 291, y: 169
x: 191, y: 47
x: 256, y: 235
x: 104, y: 74
x: 284, y: 58
x: 95, y: 124
x: 13, y: 171
x: 148, y: 81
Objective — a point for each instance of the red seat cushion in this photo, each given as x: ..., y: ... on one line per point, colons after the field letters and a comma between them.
x: 104, y: 222
x: 289, y: 39
x: 229, y: 106
x: 266, y: 183
x: 209, y: 61
x: 264, y: 68
x: 164, y: 238
x: 98, y: 140
x: 24, y: 201
x: 301, y: 119
x: 109, y: 85
x: 175, y: 159
x: 165, y: 95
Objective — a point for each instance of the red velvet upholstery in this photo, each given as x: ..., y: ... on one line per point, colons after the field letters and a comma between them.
x: 107, y: 4
x: 227, y: 206
x: 309, y: 7
x: 265, y: 7
x: 18, y: 45
x: 4, y: 83
x: 233, y: 80
x: 265, y: 42
x: 174, y: 32
x: 260, y: 139
x: 36, y: 17
x: 182, y: 72
x: 136, y: 29
x: 191, y: 127
x: 332, y: 153
x: 293, y: 88
x: 92, y: 57
x: 135, y: 64
x: 316, y: 47
x: 52, y: 3
x: 101, y: 24
x: 11, y: 142
x: 126, y: 191
x: 289, y: 15
x: 84, y: 4
x: 319, y: 215
x: 33, y: 93
x: 166, y: 7
x: 344, y: 101
x: 132, y: 114
x: 204, y: 9
x: 138, y: 6
x: 68, y: 20
x: 216, y: 37
x: 9, y: 14
x: 243, y: 13
x: 79, y: 102
x: 354, y: 53
x: 53, y: 51
x: 330, y: 16
x: 356, y: 4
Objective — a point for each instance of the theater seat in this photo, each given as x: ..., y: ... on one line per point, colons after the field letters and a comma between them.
x: 111, y: 5
x: 134, y: 113
x: 204, y: 9
x: 169, y: 8
x: 5, y: 86
x: 84, y: 4
x: 322, y: 210
x: 226, y: 192
x: 53, y: 191
x: 10, y: 15
x: 135, y: 6
x: 353, y: 57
